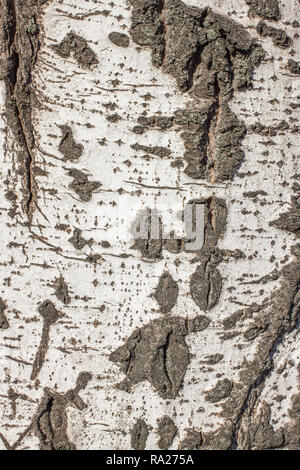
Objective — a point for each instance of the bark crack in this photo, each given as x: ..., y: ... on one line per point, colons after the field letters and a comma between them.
x: 21, y: 52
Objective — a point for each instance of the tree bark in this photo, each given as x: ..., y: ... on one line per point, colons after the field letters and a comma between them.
x: 125, y: 115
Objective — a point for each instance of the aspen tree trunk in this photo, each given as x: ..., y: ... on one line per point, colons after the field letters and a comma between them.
x: 118, y: 114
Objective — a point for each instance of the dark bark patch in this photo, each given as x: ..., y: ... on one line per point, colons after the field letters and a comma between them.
x: 192, y: 441
x: 213, y: 359
x: 113, y: 118
x: 278, y: 36
x: 158, y: 353
x: 20, y: 40
x: 166, y: 293
x: 3, y: 320
x: 161, y: 152
x: 50, y: 315
x: 266, y: 9
x: 294, y: 66
x: 206, y: 281
x: 81, y: 185
x: 62, y: 291
x: 50, y: 422
x: 68, y: 147
x: 78, y: 241
x: 77, y: 46
x: 290, y: 220
x: 167, y: 430
x: 139, y: 435
x: 119, y: 39
x: 206, y: 287
x: 221, y: 390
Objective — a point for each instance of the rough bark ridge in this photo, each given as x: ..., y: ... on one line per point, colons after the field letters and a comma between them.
x: 20, y: 43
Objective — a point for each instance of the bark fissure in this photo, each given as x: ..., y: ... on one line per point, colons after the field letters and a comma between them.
x: 21, y: 53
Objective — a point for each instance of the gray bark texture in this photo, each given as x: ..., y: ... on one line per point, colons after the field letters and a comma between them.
x: 132, y: 113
